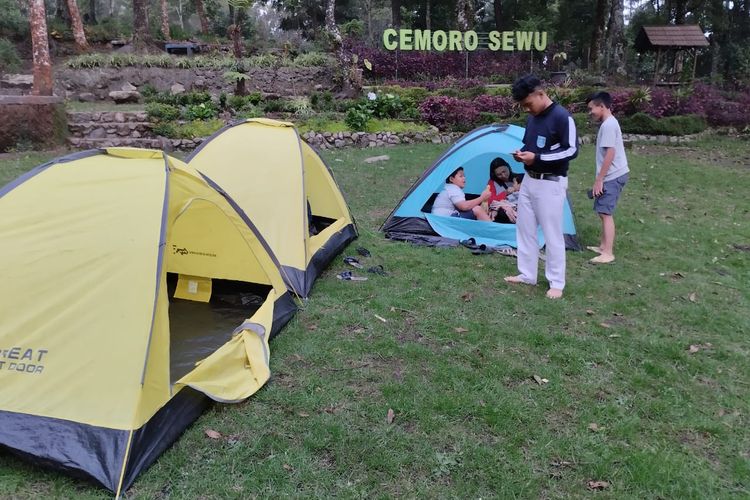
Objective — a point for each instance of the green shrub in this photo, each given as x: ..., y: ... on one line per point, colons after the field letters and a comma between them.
x: 164, y: 129
x: 193, y: 98
x: 322, y: 101
x: 485, y: 117
x: 148, y: 91
x: 202, y: 111
x: 9, y: 60
x: 357, y: 117
x: 681, y: 125
x: 254, y: 98
x: 639, y: 123
x: 162, y: 112
x: 584, y: 126
x: 503, y: 91
x: 190, y: 130
x: 311, y: 59
x: 274, y: 106
x: 249, y: 111
x: 236, y: 102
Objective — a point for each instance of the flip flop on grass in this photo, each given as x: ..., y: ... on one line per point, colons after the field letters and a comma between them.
x: 363, y: 252
x: 348, y: 276
x: 352, y: 261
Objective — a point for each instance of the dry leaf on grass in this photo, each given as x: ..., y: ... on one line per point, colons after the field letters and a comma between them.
x: 288, y: 467
x: 303, y: 414
x: 605, y: 325
x: 614, y: 336
x: 390, y: 416
x: 693, y: 297
x: 467, y: 296
x: 595, y: 427
x: 461, y: 329
x: 539, y: 380
x: 312, y: 327
x: 381, y: 318
x: 590, y: 312
x: 213, y: 434
x: 697, y: 347
x: 598, y: 485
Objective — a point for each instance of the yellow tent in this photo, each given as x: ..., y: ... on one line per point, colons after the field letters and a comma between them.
x: 131, y: 291
x: 282, y: 184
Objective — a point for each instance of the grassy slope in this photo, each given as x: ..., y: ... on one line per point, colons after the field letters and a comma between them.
x: 470, y: 421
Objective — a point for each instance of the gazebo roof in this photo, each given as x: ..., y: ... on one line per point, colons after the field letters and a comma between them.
x: 675, y: 37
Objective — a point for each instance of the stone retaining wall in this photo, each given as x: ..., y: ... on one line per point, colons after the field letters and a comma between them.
x: 29, y: 119
x: 97, y: 83
x: 110, y: 129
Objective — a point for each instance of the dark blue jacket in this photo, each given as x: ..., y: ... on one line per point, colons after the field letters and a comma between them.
x: 552, y: 136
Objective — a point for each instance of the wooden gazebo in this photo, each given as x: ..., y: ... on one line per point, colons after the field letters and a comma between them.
x: 673, y: 42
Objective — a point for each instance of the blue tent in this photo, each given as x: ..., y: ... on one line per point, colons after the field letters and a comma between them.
x: 473, y: 152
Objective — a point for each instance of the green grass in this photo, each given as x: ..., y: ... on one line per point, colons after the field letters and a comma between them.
x: 470, y: 421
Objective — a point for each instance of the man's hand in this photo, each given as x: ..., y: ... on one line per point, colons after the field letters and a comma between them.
x: 525, y: 157
x: 598, y: 188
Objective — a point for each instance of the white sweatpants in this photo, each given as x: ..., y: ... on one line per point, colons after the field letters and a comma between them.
x: 540, y: 203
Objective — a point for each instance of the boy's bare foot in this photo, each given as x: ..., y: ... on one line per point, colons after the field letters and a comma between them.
x: 603, y: 259
x: 595, y: 249
x: 517, y: 279
x: 554, y: 293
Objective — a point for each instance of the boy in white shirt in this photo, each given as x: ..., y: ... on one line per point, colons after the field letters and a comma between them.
x: 611, y: 173
x: 452, y: 201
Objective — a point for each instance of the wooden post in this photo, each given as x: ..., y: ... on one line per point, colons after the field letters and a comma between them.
x: 656, y: 66
x: 695, y: 61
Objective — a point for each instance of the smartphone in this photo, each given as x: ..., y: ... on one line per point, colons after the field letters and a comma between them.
x: 590, y: 193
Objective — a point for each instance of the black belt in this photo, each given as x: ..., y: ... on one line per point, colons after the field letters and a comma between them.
x: 544, y: 176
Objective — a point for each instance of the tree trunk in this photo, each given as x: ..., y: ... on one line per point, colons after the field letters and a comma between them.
x: 396, y: 13
x: 616, y: 38
x: 201, y: 10
x: 40, y: 48
x: 181, y: 14
x: 428, y: 14
x: 600, y: 19
x: 331, y: 26
x: 141, y: 36
x: 497, y: 7
x: 165, y: 20
x: 78, y: 34
x: 92, y: 12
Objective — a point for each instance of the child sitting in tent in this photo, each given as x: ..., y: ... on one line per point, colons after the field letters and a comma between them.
x: 452, y: 202
x: 504, y: 192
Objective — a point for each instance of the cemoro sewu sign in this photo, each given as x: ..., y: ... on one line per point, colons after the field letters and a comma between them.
x: 439, y: 40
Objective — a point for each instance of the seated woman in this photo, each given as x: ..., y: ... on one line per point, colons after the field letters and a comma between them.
x: 452, y: 201
x: 504, y: 193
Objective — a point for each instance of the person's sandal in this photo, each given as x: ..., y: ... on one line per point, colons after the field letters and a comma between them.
x: 377, y: 270
x: 352, y: 261
x: 348, y: 276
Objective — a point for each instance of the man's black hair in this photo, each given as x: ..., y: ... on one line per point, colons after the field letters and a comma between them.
x: 453, y: 174
x: 525, y: 86
x: 601, y: 98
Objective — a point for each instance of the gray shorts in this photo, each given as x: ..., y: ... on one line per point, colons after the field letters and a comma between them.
x: 606, y: 203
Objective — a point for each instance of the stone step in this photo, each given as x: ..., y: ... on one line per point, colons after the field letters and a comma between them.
x: 107, y: 116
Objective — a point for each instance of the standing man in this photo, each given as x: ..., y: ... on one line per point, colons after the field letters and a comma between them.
x: 550, y: 142
x: 611, y: 173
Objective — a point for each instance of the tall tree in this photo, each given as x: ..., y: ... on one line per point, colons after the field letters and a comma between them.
x: 164, y: 19
x: 141, y: 35
x: 396, y: 13
x: 82, y: 45
x: 497, y: 9
x: 428, y: 14
x: 595, y: 48
x: 201, y: 10
x: 464, y: 14
x: 616, y: 38
x: 92, y: 12
x: 40, y: 48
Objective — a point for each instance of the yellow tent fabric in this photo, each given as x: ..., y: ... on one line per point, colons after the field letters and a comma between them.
x: 273, y: 176
x: 88, y: 243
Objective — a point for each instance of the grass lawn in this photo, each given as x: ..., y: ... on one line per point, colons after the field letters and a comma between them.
x: 627, y: 401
